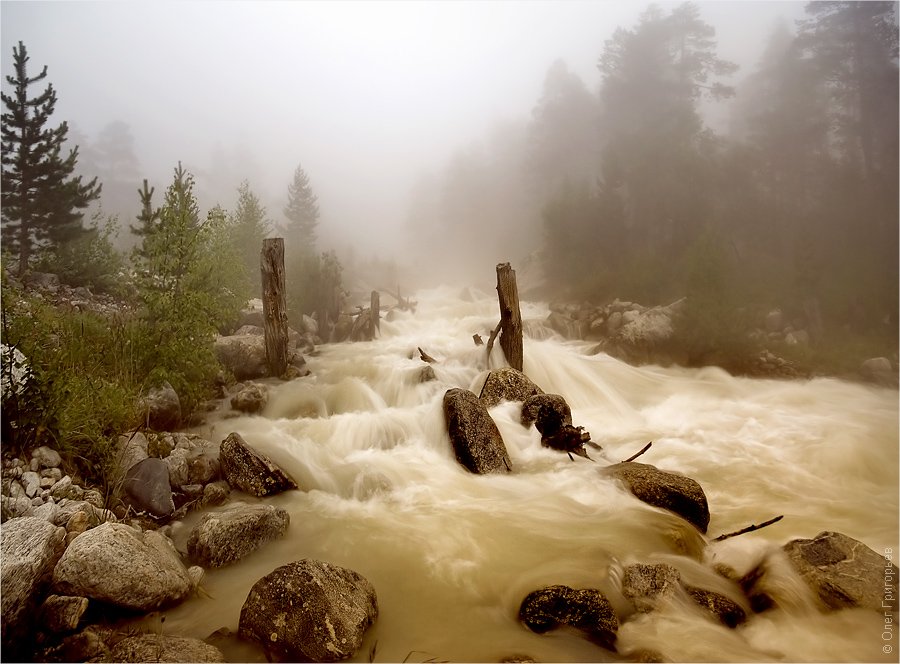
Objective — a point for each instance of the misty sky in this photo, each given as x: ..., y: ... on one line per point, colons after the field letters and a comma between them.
x: 365, y: 95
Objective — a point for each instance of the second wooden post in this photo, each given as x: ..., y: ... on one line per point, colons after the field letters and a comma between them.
x: 510, y: 315
x: 271, y: 264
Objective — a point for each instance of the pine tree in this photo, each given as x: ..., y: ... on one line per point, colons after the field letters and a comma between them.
x: 249, y: 227
x: 302, y: 212
x: 42, y: 199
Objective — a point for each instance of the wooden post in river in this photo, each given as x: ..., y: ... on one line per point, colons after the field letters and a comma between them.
x: 375, y: 312
x: 510, y: 316
x: 271, y: 264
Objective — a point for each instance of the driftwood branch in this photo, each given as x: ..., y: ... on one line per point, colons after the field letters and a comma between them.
x: 477, y: 339
x: 425, y: 356
x: 638, y: 453
x: 749, y: 529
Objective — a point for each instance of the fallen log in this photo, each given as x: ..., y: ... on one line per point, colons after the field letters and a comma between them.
x: 425, y: 357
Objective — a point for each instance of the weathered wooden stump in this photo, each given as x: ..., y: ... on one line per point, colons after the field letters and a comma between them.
x: 274, y: 306
x: 510, y: 315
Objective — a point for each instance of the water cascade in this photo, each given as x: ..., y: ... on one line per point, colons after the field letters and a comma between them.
x: 452, y: 555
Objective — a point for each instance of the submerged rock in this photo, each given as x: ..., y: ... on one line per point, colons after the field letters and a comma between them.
x: 309, y: 611
x: 723, y: 608
x: 585, y: 609
x: 164, y: 648
x: 233, y: 533
x: 548, y: 412
x: 120, y: 565
x: 646, y: 585
x: 476, y: 439
x: 251, y: 399
x: 251, y: 471
x: 676, y: 493
x: 507, y: 384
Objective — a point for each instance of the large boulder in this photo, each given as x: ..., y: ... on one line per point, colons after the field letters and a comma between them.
x: 237, y: 531
x: 147, y: 487
x: 251, y: 471
x: 670, y: 491
x: 475, y: 437
x: 309, y: 611
x: 162, y: 408
x: 585, y: 609
x: 843, y: 572
x: 31, y: 548
x: 120, y: 565
x: 507, y: 384
x: 879, y: 370
x: 244, y: 355
x: 164, y: 648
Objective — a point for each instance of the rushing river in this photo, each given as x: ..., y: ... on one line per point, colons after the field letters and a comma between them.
x: 452, y: 555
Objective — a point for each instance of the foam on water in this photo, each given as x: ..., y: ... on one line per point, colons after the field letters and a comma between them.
x: 452, y: 554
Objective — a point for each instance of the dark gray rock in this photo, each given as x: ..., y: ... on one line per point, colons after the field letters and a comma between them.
x: 676, y: 493
x: 120, y: 565
x: 47, y: 457
x: 147, y: 487
x: 61, y: 613
x: 203, y: 467
x: 507, y: 384
x: 585, y: 609
x: 223, y: 537
x: 645, y: 585
x: 30, y: 548
x: 215, y: 493
x: 724, y: 609
x: 309, y: 611
x: 164, y: 648
x: 162, y: 408
x: 249, y: 470
x: 548, y: 412
x: 474, y: 434
x: 844, y: 572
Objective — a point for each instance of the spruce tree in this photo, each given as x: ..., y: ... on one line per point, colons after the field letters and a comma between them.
x: 302, y: 212
x: 42, y: 199
x: 249, y: 227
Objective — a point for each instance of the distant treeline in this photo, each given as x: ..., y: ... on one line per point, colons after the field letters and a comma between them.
x: 630, y: 194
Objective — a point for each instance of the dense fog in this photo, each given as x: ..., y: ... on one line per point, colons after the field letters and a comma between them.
x: 602, y: 140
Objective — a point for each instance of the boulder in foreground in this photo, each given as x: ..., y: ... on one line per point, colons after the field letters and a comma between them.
x: 474, y: 434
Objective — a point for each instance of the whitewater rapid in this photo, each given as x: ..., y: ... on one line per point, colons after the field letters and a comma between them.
x: 452, y: 555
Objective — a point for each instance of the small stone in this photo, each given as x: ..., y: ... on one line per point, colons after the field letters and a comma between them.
x: 32, y: 483
x: 46, y: 457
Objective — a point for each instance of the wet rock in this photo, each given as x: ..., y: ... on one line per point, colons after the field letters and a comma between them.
x: 844, y: 572
x: 164, y: 648
x: 117, y: 564
x: 223, y: 537
x: 251, y: 471
x: 676, y: 493
x: 251, y: 399
x: 162, y: 408
x: 723, y: 608
x: 203, y: 468
x: 475, y: 437
x: 179, y: 469
x: 879, y: 370
x: 426, y: 374
x: 215, y: 493
x: 585, y: 609
x: 507, y: 384
x: 61, y: 613
x: 549, y: 412
x: 147, y: 487
x: 30, y: 549
x: 88, y: 645
x: 645, y: 585
x: 309, y: 611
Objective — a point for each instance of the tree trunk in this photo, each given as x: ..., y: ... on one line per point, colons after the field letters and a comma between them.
x: 510, y: 316
x: 274, y: 306
x: 375, y: 309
